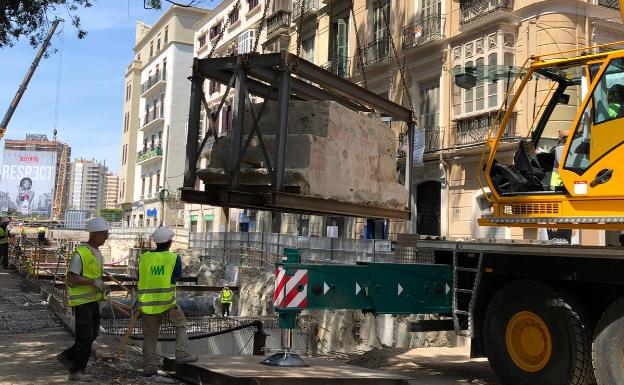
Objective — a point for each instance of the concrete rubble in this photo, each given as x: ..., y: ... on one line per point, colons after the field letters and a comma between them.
x: 326, y: 143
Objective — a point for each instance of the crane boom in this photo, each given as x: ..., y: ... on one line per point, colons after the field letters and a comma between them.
x: 29, y: 74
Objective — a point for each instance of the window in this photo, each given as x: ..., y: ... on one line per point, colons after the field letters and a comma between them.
x: 233, y: 18
x: 126, y: 121
x: 252, y: 4
x: 151, y: 49
x: 166, y: 34
x: 215, y: 30
x: 158, y: 44
x: 307, y: 48
x: 151, y: 178
x: 142, y: 187
x: 340, y: 44
x: 213, y: 86
x: 201, y: 41
x: 226, y: 119
x: 128, y: 91
x: 162, y: 105
x: 429, y: 104
x: 158, y: 180
x: 164, y: 70
x: 245, y: 41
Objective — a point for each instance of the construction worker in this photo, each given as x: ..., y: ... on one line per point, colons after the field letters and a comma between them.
x: 226, y: 301
x: 158, y: 271
x: 41, y: 232
x: 4, y: 242
x: 86, y: 290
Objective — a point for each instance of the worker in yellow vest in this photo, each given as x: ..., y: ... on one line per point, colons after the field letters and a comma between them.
x: 226, y: 301
x: 4, y: 242
x: 86, y: 290
x: 41, y: 232
x: 158, y: 271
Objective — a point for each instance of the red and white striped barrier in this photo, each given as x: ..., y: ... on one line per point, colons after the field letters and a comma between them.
x: 291, y: 291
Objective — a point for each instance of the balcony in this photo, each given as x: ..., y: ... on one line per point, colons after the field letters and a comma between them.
x: 278, y: 23
x: 152, y: 119
x: 474, y: 12
x: 423, y: 31
x: 614, y: 4
x: 147, y: 154
x: 309, y: 8
x: 474, y: 130
x: 375, y: 52
x: 338, y: 67
x: 153, y: 83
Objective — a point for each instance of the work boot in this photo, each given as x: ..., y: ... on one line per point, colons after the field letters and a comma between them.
x: 80, y: 376
x: 148, y: 372
x: 186, y: 358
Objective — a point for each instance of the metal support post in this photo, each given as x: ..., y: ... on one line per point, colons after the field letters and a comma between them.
x: 238, y: 117
x: 409, y: 175
x: 282, y: 127
x: 190, y: 166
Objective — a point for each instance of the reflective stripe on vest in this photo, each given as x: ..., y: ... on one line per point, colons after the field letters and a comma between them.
x: 81, y: 294
x: 156, y: 292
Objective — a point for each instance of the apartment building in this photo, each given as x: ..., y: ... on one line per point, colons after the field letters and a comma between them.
x: 435, y: 40
x: 88, y: 183
x: 156, y: 98
x: 112, y: 190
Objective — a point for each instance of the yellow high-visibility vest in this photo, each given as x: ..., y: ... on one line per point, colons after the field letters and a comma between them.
x: 4, y: 234
x: 226, y: 296
x: 81, y: 294
x: 156, y: 292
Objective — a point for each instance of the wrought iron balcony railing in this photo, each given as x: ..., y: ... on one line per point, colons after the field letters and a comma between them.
x: 473, y: 10
x: 615, y: 4
x: 309, y: 6
x: 279, y: 21
x: 376, y: 51
x: 152, y: 80
x: 422, y: 31
x: 338, y: 67
x: 475, y: 130
x: 148, y: 153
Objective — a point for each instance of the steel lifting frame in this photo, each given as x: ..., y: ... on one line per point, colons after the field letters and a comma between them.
x: 274, y: 77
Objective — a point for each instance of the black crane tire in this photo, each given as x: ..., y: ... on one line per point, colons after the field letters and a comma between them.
x: 608, y: 346
x: 535, y: 334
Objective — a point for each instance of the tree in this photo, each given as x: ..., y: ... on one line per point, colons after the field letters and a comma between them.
x: 111, y: 215
x: 31, y: 19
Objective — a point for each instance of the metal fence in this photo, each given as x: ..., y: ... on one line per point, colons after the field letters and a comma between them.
x: 261, y: 249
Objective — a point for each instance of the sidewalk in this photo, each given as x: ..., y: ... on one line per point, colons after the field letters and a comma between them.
x: 31, y: 337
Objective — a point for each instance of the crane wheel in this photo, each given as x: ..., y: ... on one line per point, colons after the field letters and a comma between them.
x: 536, y: 335
x: 608, y: 347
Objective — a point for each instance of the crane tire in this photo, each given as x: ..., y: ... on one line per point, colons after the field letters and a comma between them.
x: 535, y: 334
x: 608, y: 346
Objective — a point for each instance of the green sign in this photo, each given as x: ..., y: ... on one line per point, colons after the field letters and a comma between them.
x: 209, y: 217
x: 194, y: 218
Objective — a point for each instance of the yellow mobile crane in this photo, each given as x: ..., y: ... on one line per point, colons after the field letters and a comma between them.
x: 542, y: 313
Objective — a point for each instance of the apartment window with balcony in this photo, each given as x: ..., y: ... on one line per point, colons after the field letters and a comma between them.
x: 145, y: 144
x: 142, y: 187
x: 151, y: 177
x: 245, y: 41
x: 151, y: 49
x: 162, y: 105
x: 226, y: 119
x: 233, y: 18
x: 158, y: 44
x: 215, y: 30
x: 166, y: 34
x: 154, y: 108
x: 158, y: 180
x: 429, y: 104
x: 164, y: 69
x: 252, y: 4
x: 201, y: 41
x: 339, y: 46
x: 160, y: 138
x: 213, y: 87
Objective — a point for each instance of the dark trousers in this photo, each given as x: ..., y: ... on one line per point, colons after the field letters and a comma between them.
x: 87, y: 327
x: 4, y: 255
x: 225, y: 309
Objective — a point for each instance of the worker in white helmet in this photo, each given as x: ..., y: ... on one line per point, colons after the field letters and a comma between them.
x: 86, y: 290
x: 158, y: 271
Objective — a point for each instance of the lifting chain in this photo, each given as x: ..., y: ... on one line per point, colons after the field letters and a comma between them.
x: 396, y: 56
x: 300, y: 27
x: 358, y: 46
x: 225, y: 25
x: 267, y: 3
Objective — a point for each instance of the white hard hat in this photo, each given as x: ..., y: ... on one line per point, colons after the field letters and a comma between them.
x: 97, y: 224
x: 163, y: 234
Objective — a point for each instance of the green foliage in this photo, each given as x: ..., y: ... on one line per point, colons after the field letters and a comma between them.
x: 111, y: 215
x: 31, y: 19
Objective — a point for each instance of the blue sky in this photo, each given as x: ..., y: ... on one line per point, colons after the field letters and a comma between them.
x: 92, y: 72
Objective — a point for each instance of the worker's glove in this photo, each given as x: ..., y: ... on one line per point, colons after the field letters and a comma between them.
x: 99, y: 284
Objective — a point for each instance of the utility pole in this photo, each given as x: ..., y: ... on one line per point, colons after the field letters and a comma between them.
x: 29, y: 75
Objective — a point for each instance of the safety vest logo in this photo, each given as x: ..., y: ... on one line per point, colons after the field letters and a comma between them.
x: 157, y: 270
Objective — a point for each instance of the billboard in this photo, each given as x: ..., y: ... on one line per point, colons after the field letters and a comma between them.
x: 27, y: 182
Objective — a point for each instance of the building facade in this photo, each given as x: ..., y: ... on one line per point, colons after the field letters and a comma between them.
x: 112, y: 190
x: 156, y: 98
x: 88, y: 185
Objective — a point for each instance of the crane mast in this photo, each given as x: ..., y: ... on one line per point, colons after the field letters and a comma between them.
x: 29, y: 75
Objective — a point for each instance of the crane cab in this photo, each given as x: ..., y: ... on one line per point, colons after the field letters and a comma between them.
x: 568, y: 171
